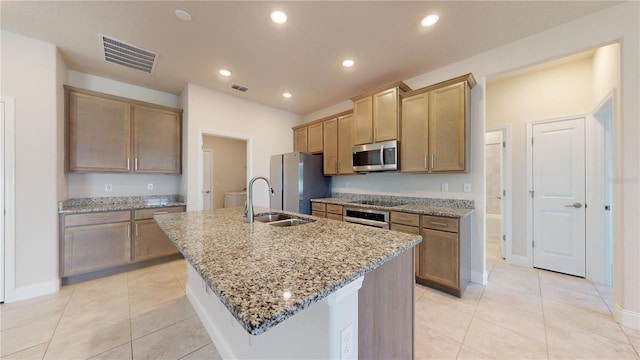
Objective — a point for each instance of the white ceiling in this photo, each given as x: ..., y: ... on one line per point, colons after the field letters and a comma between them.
x: 302, y: 56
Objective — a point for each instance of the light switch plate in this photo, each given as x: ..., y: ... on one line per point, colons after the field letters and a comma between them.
x: 467, y: 187
x: 445, y: 187
x: 108, y: 187
x: 150, y: 187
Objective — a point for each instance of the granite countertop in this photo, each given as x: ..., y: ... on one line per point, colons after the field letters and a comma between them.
x: 98, y: 204
x: 437, y: 207
x: 265, y: 274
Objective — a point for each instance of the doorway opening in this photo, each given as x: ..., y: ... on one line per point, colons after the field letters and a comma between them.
x: 498, y: 192
x: 7, y: 186
x: 223, y: 171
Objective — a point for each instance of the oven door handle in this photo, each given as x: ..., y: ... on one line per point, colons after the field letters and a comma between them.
x: 379, y: 224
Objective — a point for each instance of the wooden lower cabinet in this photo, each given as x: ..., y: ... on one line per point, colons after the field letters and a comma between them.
x: 93, y: 242
x: 410, y: 224
x: 445, y: 254
x: 319, y: 209
x: 96, y: 247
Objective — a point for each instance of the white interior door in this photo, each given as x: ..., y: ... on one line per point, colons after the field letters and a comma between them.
x: 2, y: 209
x: 207, y: 188
x: 559, y: 196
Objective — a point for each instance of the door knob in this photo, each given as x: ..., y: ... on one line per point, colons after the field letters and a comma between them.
x: 206, y: 192
x: 574, y: 205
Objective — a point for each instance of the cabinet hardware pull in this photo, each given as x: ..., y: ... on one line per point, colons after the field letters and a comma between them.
x: 433, y: 161
x: 163, y: 212
x: 426, y: 160
x: 128, y: 230
x: 136, y: 164
x: 136, y: 230
x: 128, y: 164
x: 438, y: 223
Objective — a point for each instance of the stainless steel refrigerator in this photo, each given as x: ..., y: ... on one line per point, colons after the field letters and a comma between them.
x: 296, y: 179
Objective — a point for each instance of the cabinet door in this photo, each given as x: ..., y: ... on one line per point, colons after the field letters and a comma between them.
x: 314, y: 138
x: 415, y: 130
x: 99, y: 134
x: 151, y: 242
x: 300, y: 139
x: 416, y: 249
x: 385, y: 115
x: 96, y: 247
x: 345, y: 144
x: 363, y: 121
x: 447, y: 138
x: 157, y: 140
x: 330, y: 147
x: 439, y: 257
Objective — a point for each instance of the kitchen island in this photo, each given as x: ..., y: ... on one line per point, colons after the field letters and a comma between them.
x: 274, y: 292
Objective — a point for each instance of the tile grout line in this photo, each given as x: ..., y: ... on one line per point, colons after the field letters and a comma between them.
x: 473, y: 315
x: 544, y: 319
x: 66, y: 306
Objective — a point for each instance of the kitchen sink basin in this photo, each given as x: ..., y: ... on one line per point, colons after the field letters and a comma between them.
x: 279, y: 219
x: 271, y: 217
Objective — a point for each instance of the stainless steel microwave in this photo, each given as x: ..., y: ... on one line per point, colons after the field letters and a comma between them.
x: 382, y: 156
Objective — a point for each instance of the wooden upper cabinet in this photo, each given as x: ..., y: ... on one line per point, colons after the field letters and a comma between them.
x: 98, y: 134
x: 345, y: 144
x: 330, y: 161
x: 435, y: 127
x: 314, y: 138
x: 363, y: 121
x: 415, y: 130
x: 157, y: 145
x: 376, y: 114
x: 300, y: 139
x: 105, y: 133
x: 385, y: 115
x: 448, y: 128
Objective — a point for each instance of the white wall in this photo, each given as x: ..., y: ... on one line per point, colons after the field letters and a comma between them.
x: 606, y: 72
x: 550, y: 92
x: 267, y: 129
x: 29, y: 74
x: 81, y: 185
x: 618, y: 23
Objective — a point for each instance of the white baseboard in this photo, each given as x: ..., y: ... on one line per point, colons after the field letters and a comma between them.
x: 626, y: 318
x: 39, y: 289
x: 479, y: 277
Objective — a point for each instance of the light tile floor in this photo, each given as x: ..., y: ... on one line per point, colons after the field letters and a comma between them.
x: 144, y: 314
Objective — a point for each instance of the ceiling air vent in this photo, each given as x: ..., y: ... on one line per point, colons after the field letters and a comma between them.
x: 239, y: 87
x: 121, y: 53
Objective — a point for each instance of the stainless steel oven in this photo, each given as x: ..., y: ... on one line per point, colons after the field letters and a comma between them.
x: 368, y: 217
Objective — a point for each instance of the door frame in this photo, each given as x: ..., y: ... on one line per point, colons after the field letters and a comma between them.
x: 507, y: 186
x: 8, y: 152
x: 592, y: 272
x: 201, y: 134
x: 211, y: 199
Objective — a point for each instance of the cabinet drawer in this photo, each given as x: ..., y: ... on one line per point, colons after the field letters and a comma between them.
x: 334, y: 209
x: 97, y: 218
x: 405, y: 229
x: 440, y: 223
x: 334, y: 216
x: 318, y: 206
x: 148, y: 213
x: 318, y: 213
x: 405, y: 219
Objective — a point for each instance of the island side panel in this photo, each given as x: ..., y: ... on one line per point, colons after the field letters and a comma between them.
x: 386, y: 311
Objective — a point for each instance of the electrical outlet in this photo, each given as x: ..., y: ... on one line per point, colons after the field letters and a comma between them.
x: 108, y: 187
x: 467, y: 187
x: 346, y: 342
x: 445, y: 187
x: 150, y: 187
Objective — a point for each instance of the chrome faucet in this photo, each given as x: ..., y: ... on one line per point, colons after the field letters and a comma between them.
x: 248, y: 211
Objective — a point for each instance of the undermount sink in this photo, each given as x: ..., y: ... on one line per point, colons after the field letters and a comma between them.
x: 279, y: 219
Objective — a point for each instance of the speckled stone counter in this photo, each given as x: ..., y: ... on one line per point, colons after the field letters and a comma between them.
x: 424, y: 206
x: 265, y: 274
x: 86, y: 205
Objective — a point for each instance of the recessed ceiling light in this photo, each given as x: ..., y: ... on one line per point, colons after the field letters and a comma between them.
x: 183, y: 15
x: 286, y: 95
x: 348, y: 63
x: 279, y: 17
x: 224, y: 72
x: 430, y: 20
